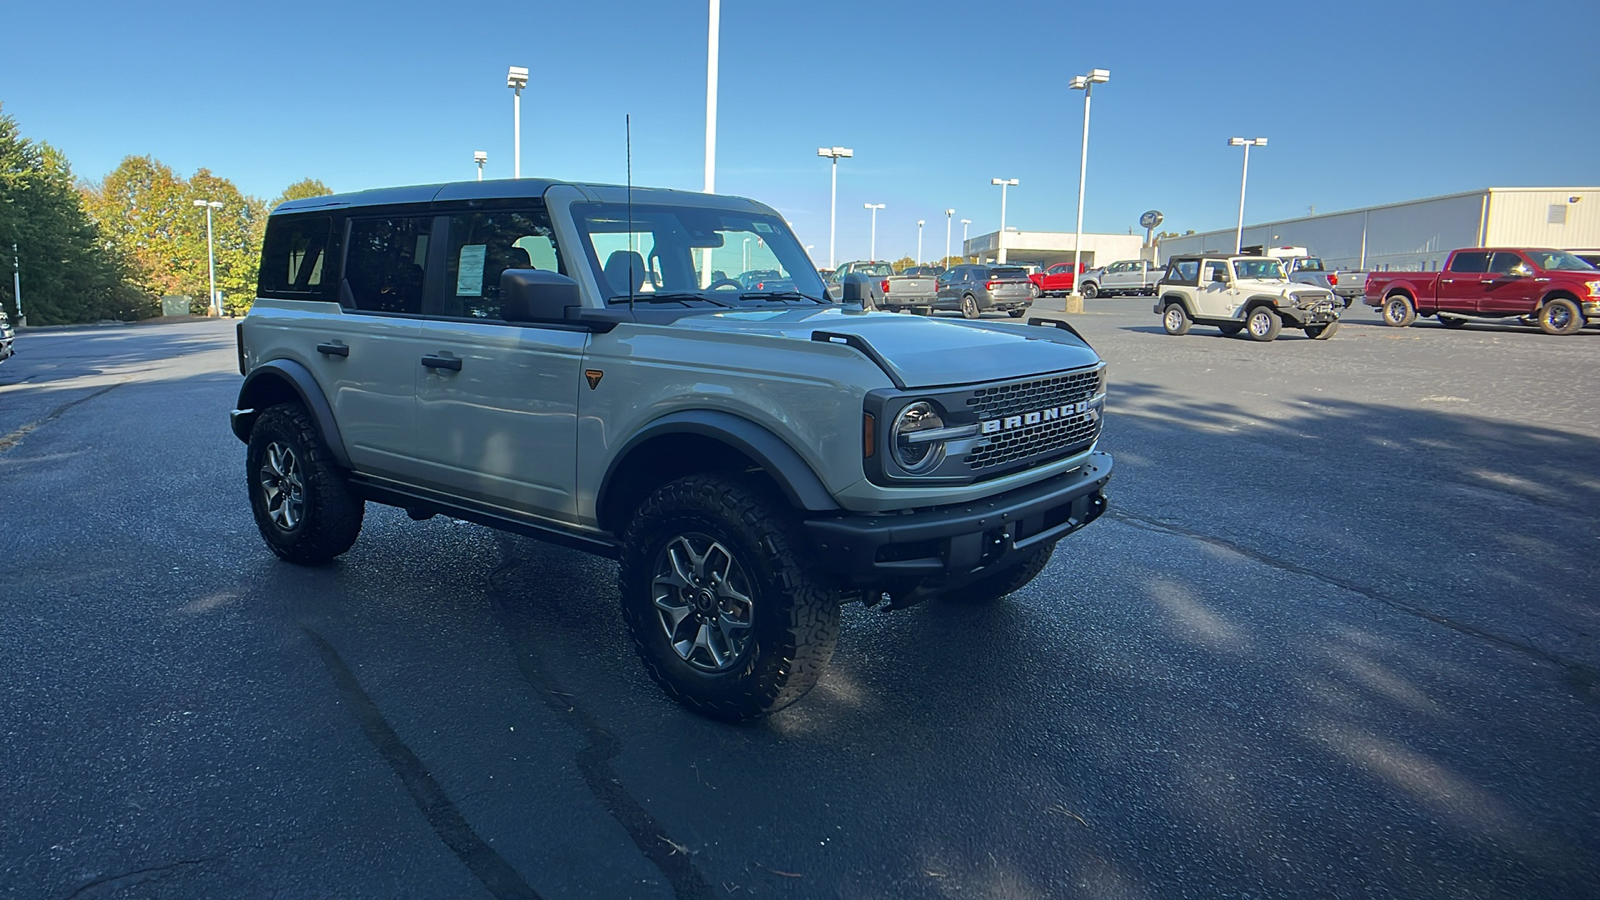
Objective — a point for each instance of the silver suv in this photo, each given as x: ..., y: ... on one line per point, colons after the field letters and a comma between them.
x: 976, y: 288
x: 585, y: 364
x: 1252, y: 294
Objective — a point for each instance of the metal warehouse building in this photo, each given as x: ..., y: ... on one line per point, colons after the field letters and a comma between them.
x: 1419, y: 234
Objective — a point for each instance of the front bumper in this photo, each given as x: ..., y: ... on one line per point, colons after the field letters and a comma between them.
x: 963, y: 538
x: 1591, y: 309
x: 1316, y: 315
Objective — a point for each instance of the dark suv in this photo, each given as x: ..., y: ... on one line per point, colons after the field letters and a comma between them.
x: 977, y: 288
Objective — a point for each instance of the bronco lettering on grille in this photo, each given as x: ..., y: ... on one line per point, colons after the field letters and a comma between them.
x: 1007, y: 423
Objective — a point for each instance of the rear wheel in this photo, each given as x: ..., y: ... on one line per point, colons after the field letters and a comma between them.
x: 722, y: 599
x: 1560, y: 316
x: 969, y: 307
x: 1263, y: 324
x: 1015, y: 313
x: 300, y: 499
x: 1322, y: 332
x: 1089, y: 291
x: 1398, y: 312
x: 1230, y: 330
x: 1175, y: 319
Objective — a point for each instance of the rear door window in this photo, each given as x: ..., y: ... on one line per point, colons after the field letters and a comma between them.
x: 1470, y: 261
x: 385, y: 267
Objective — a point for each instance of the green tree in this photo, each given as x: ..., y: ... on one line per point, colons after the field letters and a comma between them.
x: 303, y: 189
x: 903, y: 263
x: 70, y: 273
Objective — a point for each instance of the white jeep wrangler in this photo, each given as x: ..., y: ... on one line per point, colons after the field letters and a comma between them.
x: 1252, y: 294
x: 601, y: 368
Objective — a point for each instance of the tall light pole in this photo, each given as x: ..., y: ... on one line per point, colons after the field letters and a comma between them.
x: 964, y: 224
x: 713, y: 41
x: 1086, y: 84
x: 1246, y: 143
x: 1000, y: 237
x: 480, y: 157
x: 516, y: 79
x: 947, y: 214
x: 836, y: 154
x: 920, y: 223
x: 211, y: 256
x: 16, y: 285
x: 872, y: 250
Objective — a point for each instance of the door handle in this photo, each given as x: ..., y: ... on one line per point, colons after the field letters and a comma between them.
x: 442, y: 362
x: 334, y: 349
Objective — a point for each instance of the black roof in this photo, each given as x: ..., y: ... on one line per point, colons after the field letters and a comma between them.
x: 497, y: 189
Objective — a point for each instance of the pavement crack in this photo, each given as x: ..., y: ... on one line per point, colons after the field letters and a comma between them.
x: 498, y: 876
x: 14, y: 438
x: 127, y: 879
x: 1582, y: 676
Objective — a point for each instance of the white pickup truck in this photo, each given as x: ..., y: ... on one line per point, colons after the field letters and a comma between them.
x: 1126, y: 276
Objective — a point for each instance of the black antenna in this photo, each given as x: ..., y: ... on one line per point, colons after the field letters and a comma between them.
x: 627, y: 124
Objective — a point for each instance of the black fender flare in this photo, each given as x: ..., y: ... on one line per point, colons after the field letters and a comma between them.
x: 788, y: 470
x: 1181, y: 300
x: 257, y: 387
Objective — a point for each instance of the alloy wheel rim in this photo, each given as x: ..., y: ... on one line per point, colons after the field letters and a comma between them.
x: 1259, y: 324
x: 282, y: 487
x: 1559, y: 317
x: 702, y: 600
x: 1173, y: 320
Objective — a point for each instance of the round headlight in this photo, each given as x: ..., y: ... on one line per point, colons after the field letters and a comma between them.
x: 913, y: 453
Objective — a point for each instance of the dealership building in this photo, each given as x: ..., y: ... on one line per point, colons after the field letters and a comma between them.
x: 1419, y: 234
x: 1045, y: 248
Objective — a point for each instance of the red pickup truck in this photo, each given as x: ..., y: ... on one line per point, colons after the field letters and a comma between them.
x: 1056, y: 280
x: 1552, y: 288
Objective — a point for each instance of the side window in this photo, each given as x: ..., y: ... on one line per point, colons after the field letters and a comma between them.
x: 384, y: 268
x: 1470, y: 261
x: 1503, y: 262
x: 292, y: 257
x: 1216, y: 271
x: 482, y: 246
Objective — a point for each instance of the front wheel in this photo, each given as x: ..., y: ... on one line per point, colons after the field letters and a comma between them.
x: 301, y: 501
x: 1175, y: 319
x: 1006, y: 581
x: 1321, y: 332
x: 722, y: 600
x: 1560, y: 316
x: 1089, y: 291
x: 969, y: 307
x: 1398, y: 312
x: 1263, y: 324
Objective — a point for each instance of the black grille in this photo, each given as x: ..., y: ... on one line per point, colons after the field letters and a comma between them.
x: 1067, y: 433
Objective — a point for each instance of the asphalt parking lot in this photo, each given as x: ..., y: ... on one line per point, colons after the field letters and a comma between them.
x: 1337, y: 638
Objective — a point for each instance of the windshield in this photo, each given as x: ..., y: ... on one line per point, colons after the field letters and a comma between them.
x: 878, y: 270
x: 694, y: 253
x: 1261, y: 269
x: 1007, y: 272
x: 1309, y: 264
x: 1559, y: 260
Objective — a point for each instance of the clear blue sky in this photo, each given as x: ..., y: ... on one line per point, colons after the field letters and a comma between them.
x: 1363, y: 102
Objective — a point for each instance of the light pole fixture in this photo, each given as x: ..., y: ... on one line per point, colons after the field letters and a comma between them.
x: 947, y: 214
x: 1000, y: 236
x: 211, y: 256
x: 964, y: 224
x: 872, y: 248
x: 1246, y: 143
x: 836, y: 154
x: 920, y: 223
x: 1086, y: 84
x: 480, y: 157
x: 516, y: 79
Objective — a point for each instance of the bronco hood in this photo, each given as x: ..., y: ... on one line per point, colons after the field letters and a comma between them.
x: 922, y: 352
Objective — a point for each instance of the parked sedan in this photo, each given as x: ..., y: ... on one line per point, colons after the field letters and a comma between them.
x: 975, y: 289
x: 7, y: 337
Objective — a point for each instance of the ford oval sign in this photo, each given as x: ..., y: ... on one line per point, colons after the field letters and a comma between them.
x: 1150, y: 219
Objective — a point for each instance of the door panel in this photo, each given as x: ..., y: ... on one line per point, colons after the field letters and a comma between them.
x: 1461, y: 286
x: 1504, y: 293
x: 502, y: 428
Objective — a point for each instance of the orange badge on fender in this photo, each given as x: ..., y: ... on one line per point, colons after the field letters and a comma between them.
x: 594, y: 376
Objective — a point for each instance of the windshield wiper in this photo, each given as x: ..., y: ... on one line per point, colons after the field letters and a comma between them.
x: 669, y: 297
x: 778, y: 295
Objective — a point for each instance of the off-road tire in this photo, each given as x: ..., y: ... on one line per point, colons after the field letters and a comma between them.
x: 1322, y: 332
x: 1175, y: 319
x: 329, y: 517
x: 793, y: 613
x: 1398, y: 311
x: 1262, y: 324
x: 1559, y: 315
x: 1230, y: 330
x: 969, y: 307
x: 1006, y: 581
x: 1451, y: 321
x: 1089, y: 291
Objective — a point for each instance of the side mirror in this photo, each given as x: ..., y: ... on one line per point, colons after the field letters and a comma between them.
x: 859, y: 290
x: 534, y: 295
x: 1218, y: 276
x: 1520, y: 270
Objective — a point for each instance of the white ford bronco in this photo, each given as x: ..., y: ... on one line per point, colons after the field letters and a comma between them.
x: 1252, y: 294
x: 584, y: 364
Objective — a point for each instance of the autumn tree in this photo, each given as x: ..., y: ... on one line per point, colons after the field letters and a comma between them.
x: 303, y: 189
x: 70, y: 272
